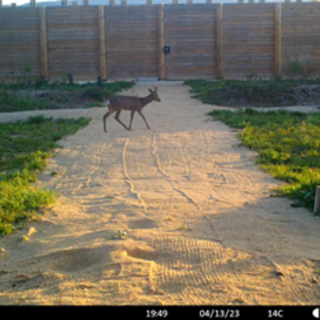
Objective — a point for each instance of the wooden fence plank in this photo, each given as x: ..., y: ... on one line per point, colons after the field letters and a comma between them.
x: 102, y: 42
x: 43, y: 43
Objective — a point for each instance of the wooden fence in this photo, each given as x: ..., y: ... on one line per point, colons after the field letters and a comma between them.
x: 127, y: 42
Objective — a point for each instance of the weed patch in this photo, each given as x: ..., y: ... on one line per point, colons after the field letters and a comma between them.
x: 25, y: 147
x: 288, y: 144
x: 262, y: 93
x: 41, y: 95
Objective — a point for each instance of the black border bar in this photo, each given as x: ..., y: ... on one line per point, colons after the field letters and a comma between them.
x: 188, y: 312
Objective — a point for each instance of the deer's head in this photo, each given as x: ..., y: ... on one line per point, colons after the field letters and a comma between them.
x: 154, y: 94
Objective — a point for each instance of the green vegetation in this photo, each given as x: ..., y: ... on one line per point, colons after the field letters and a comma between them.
x: 24, y: 149
x: 257, y: 93
x: 39, y: 95
x: 288, y: 144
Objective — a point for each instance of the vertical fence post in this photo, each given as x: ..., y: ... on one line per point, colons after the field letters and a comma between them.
x: 123, y: 2
x: 149, y: 2
x: 32, y: 3
x: 43, y: 43
x: 0, y: 3
x: 161, y: 70
x: 174, y: 1
x: 219, y: 43
x: 112, y: 2
x: 13, y: 5
x: 102, y: 43
x: 208, y: 1
x: 277, y: 44
x: 85, y: 2
x: 74, y: 3
x: 317, y: 201
x: 64, y: 3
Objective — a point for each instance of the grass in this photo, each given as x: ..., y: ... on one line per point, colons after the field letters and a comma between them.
x: 288, y: 144
x: 261, y: 93
x: 24, y: 96
x: 25, y: 147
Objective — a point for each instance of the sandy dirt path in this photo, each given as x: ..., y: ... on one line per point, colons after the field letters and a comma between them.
x: 202, y: 228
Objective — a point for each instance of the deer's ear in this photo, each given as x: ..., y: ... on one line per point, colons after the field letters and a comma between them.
x: 150, y: 91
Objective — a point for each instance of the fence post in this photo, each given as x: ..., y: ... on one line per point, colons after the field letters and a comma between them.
x: 43, y: 43
x: 85, y: 2
x: 13, y: 5
x: 0, y: 3
x: 208, y: 1
x: 112, y: 2
x: 32, y: 3
x: 149, y: 2
x: 102, y: 43
x: 277, y: 46
x: 219, y: 19
x: 123, y: 2
x: 74, y: 3
x: 64, y: 3
x: 174, y: 1
x: 317, y: 201
x: 161, y: 42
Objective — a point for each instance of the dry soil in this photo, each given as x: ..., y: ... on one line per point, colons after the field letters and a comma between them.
x: 201, y: 226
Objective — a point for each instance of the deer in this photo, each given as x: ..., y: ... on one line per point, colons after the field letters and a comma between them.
x: 133, y: 104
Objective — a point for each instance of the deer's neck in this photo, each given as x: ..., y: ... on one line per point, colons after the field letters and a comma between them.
x: 146, y: 100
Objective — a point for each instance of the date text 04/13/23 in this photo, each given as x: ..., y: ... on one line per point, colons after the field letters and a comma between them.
x: 219, y: 313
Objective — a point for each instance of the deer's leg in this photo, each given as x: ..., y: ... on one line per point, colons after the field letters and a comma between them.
x: 111, y: 110
x: 144, y: 119
x: 117, y: 118
x: 132, y: 114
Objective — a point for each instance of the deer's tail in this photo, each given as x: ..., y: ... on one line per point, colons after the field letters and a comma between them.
x: 108, y: 104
